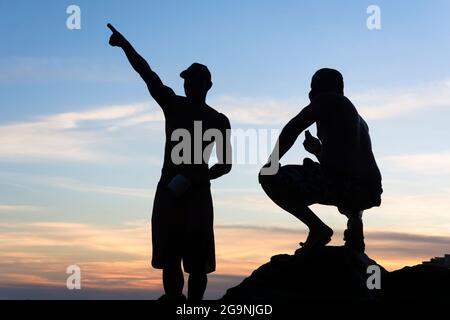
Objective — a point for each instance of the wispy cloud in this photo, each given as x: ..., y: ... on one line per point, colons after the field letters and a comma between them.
x: 394, y: 102
x: 421, y: 213
x: 57, y: 69
x: 75, y: 185
x: 7, y: 208
x: 258, y: 111
x: 427, y: 214
x: 71, y: 184
x: 426, y: 163
x: 66, y: 136
x: 63, y: 136
x: 375, y: 104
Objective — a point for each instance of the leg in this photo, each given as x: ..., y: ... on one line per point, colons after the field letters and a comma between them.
x: 319, y: 233
x: 296, y: 204
x: 354, y: 235
x: 197, y: 286
x: 199, y: 256
x: 173, y: 280
x: 166, y: 244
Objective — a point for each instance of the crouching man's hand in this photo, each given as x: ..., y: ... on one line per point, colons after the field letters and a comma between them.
x: 312, y: 144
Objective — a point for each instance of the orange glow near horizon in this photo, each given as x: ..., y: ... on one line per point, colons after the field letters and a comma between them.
x: 38, y: 254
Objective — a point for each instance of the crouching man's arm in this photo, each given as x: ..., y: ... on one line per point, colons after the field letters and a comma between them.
x: 288, y: 136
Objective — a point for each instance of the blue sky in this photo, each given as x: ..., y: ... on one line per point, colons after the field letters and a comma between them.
x: 82, y: 140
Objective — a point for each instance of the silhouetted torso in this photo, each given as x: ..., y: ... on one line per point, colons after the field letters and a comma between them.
x: 181, y: 113
x: 346, y: 145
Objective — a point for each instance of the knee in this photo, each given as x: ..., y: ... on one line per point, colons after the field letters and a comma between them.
x: 274, y: 188
x: 268, y: 182
x: 172, y: 266
x: 198, y: 275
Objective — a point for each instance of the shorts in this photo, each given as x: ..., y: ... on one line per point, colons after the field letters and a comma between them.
x: 307, y: 184
x: 182, y: 229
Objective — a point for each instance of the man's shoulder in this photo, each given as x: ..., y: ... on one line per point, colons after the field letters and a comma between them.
x: 173, y: 104
x: 332, y: 102
x: 332, y: 98
x: 180, y: 99
x: 218, y: 116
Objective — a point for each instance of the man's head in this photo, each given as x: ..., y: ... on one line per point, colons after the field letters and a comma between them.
x: 326, y: 80
x: 197, y: 81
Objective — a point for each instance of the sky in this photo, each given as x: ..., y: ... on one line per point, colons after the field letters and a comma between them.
x: 82, y: 140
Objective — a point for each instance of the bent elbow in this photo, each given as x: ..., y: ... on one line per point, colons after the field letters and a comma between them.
x: 227, y: 168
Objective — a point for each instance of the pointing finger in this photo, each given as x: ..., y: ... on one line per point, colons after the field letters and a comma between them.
x: 110, y: 26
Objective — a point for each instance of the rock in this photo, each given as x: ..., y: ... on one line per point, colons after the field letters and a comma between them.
x: 336, y: 273
x: 418, y: 282
x: 322, y: 273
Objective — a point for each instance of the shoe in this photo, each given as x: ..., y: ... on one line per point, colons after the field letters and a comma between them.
x: 316, y: 239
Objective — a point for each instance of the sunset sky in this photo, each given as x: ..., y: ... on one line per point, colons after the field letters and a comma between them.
x: 81, y: 140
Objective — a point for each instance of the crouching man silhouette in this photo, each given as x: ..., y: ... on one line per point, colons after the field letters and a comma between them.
x: 182, y: 218
x: 346, y: 175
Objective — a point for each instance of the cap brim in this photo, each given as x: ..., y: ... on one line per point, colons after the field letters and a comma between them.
x: 183, y: 74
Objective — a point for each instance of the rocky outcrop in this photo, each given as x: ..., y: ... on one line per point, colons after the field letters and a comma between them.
x: 337, y: 273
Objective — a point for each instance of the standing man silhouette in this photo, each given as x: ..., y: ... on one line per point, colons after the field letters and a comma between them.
x: 346, y: 175
x: 182, y: 218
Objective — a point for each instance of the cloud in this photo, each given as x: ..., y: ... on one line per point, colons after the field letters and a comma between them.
x: 63, y: 136
x: 60, y: 292
x: 71, y: 120
x: 257, y: 111
x: 394, y: 250
x: 81, y: 136
x: 115, y: 260
x: 389, y: 103
x: 72, y: 184
x: 426, y: 163
x: 40, y: 69
x: 151, y: 116
x: 374, y: 234
x: 375, y: 104
x: 416, y: 212
x: 75, y: 185
x: 39, y: 252
x: 19, y: 208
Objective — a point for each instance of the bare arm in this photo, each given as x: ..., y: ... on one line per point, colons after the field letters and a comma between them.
x: 157, y: 89
x: 224, y: 153
x: 292, y: 130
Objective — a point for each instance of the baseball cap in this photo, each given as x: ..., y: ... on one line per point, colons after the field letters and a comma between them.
x: 196, y: 70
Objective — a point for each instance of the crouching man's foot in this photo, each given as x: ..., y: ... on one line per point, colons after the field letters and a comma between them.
x: 354, y: 235
x: 316, y: 238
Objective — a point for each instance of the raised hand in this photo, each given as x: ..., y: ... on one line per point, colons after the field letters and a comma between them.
x: 116, y: 39
x: 312, y: 144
